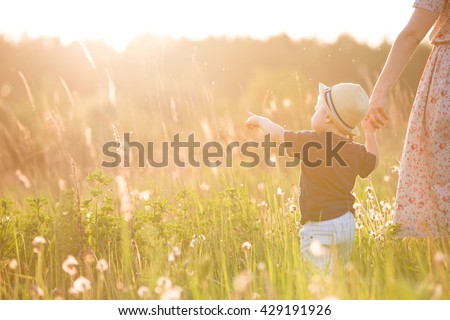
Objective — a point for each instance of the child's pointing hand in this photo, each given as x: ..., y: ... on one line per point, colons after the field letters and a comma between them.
x: 253, y: 121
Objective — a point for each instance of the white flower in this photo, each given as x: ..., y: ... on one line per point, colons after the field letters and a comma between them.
x: 242, y: 281
x: 280, y: 191
x: 81, y: 284
x: 37, y: 291
x: 176, y: 252
x: 317, y: 249
x: 143, y: 291
x: 39, y: 240
x: 102, y: 265
x: 172, y: 293
x: 13, y: 264
x: 144, y: 195
x: 70, y: 265
x: 246, y: 246
x: 163, y: 284
x: 204, y: 186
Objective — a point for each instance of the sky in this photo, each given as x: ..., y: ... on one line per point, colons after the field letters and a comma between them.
x: 118, y: 21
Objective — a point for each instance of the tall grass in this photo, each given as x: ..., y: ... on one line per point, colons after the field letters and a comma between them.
x: 72, y: 231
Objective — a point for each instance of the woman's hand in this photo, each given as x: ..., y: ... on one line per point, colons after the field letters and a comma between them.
x: 377, y: 115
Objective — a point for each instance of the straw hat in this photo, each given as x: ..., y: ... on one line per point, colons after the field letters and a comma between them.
x: 346, y: 105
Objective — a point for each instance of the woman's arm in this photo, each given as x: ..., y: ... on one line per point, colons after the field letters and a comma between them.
x: 401, y: 52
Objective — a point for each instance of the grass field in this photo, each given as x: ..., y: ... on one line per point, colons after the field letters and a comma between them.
x: 71, y: 229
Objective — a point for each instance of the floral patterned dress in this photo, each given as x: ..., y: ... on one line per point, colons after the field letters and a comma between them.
x: 423, y: 193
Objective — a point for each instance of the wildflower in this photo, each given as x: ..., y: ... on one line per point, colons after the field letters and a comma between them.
x: 316, y: 248
x: 439, y: 257
x: 144, y: 195
x: 70, y: 265
x: 246, y: 246
x: 173, y: 293
x: 280, y: 191
x: 242, y: 281
x: 386, y: 178
x: 263, y: 204
x: 193, y: 243
x: 37, y: 291
x: 39, y: 240
x: 143, y: 291
x: 204, y: 186
x: 81, y: 284
x: 175, y: 253
x: 261, y: 266
x: 102, y: 265
x: 162, y: 285
x: 13, y: 264
x: 292, y: 208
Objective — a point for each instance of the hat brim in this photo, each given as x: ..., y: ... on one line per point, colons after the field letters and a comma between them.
x: 353, y: 132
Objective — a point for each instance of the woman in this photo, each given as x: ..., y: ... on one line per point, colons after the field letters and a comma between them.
x: 423, y: 193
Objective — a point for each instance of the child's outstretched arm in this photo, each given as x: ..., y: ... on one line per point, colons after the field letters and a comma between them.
x: 268, y: 126
x: 371, y: 141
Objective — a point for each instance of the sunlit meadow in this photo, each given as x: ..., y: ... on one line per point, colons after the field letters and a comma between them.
x: 71, y: 229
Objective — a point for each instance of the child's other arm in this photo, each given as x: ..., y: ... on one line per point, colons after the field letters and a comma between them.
x: 371, y: 141
x: 269, y: 127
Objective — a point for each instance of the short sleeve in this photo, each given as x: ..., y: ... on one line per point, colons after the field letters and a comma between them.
x: 294, y: 142
x: 436, y: 6
x: 367, y: 164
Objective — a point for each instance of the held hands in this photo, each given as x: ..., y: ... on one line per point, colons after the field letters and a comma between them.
x: 376, y: 115
x: 368, y: 126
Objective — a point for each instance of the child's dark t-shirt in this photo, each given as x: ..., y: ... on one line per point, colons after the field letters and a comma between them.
x: 330, y: 165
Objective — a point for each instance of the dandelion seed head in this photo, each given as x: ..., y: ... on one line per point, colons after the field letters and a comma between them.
x: 292, y: 208
x: 439, y: 257
x: 162, y: 284
x: 39, y: 240
x: 173, y: 293
x: 317, y: 249
x: 13, y: 264
x: 37, y: 291
x: 204, y: 186
x: 242, y: 281
x: 143, y: 291
x: 144, y: 195
x: 82, y: 284
x: 246, y: 246
x: 102, y: 265
x: 70, y: 265
x: 261, y: 266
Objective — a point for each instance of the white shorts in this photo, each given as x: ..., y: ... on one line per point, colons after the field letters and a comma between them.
x: 323, y: 243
